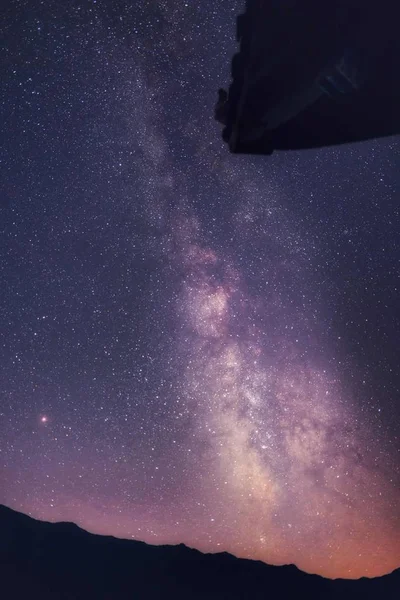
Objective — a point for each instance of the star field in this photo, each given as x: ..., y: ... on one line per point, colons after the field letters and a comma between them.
x: 194, y: 347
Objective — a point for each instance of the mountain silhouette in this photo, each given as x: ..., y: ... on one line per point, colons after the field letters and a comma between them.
x: 61, y: 561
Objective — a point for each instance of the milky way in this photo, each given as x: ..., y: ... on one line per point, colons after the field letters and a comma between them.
x: 197, y: 347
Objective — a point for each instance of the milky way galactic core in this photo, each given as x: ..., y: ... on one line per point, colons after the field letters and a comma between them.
x: 196, y: 347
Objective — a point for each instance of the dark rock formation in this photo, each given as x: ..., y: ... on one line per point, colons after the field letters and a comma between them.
x: 311, y: 74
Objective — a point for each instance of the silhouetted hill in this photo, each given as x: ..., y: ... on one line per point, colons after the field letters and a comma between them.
x: 52, y: 561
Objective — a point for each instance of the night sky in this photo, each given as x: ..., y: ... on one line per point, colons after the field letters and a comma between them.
x: 194, y: 347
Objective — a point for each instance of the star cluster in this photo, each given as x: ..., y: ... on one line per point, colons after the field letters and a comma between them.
x: 195, y: 347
